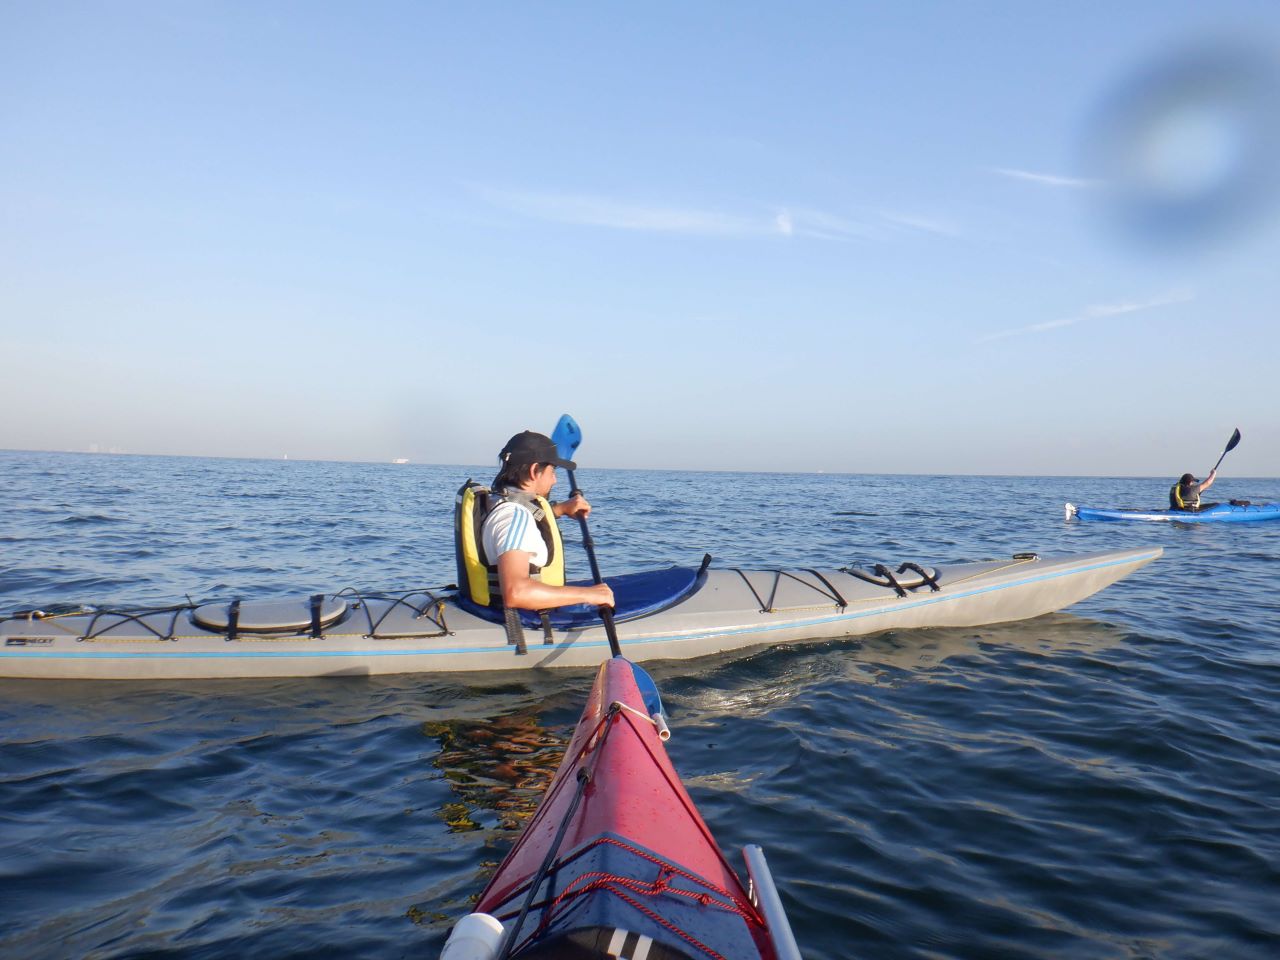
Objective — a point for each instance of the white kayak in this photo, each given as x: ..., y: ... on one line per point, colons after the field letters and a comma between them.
x: 674, y: 613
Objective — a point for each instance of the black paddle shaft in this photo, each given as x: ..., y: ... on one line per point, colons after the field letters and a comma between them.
x: 606, y: 614
x: 587, y: 542
x: 1231, y: 445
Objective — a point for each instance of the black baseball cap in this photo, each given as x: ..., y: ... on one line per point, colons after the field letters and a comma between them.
x: 529, y: 448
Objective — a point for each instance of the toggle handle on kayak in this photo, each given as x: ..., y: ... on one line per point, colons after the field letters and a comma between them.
x: 476, y: 936
x: 658, y: 720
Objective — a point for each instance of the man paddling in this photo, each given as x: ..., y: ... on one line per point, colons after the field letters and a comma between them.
x: 1185, y: 494
x: 517, y: 535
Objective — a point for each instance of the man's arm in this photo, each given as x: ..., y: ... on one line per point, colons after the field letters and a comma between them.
x: 520, y: 591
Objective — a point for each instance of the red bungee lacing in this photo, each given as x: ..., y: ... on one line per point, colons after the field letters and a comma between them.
x: 712, y: 896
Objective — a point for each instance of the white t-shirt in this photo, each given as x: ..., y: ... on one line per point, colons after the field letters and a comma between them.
x: 510, y: 526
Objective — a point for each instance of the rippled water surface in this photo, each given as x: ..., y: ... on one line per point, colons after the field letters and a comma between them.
x: 1099, y: 783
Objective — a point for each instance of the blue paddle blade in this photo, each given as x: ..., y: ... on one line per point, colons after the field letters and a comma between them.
x: 648, y: 690
x: 566, y: 436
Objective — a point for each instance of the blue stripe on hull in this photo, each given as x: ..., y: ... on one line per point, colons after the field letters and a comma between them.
x: 1222, y: 513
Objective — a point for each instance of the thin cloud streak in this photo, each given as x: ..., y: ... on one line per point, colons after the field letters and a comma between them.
x: 1096, y: 312
x: 594, y: 211
x: 1048, y: 179
x: 805, y: 222
x: 597, y: 211
x: 925, y: 224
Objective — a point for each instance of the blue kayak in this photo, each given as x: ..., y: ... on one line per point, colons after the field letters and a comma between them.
x: 1211, y: 513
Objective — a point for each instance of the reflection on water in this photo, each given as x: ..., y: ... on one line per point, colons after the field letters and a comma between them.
x: 501, y: 766
x: 890, y: 657
x: 919, y: 651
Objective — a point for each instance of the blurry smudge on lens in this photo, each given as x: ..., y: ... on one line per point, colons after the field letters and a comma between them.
x: 1187, y: 148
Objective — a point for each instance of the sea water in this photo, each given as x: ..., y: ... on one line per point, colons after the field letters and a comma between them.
x: 1098, y: 783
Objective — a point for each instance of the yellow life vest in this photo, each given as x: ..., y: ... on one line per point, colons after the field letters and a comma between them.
x: 1177, y: 502
x: 477, y: 576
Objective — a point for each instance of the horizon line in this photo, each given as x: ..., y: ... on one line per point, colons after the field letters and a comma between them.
x: 816, y: 472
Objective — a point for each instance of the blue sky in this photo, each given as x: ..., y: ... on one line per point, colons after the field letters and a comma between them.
x: 931, y: 237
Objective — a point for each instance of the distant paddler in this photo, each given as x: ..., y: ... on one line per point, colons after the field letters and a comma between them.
x: 1185, y: 494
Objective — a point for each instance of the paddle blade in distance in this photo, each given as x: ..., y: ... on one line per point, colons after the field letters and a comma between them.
x: 566, y: 436
x: 1235, y: 439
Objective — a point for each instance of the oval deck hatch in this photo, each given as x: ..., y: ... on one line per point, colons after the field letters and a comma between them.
x: 270, y: 616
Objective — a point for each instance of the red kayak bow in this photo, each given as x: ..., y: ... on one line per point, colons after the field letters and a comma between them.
x: 617, y: 862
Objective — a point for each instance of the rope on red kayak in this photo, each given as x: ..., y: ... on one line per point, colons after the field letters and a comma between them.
x: 634, y: 712
x: 712, y: 896
x: 692, y: 941
x: 590, y: 744
x: 678, y: 789
x: 582, y: 779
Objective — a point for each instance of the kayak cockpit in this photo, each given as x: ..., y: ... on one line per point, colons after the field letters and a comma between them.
x: 639, y: 594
